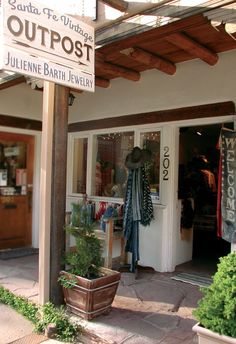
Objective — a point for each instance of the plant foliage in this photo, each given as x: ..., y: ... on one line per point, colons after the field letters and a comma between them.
x: 20, y: 304
x: 49, y: 314
x: 217, y: 309
x: 86, y: 259
x: 42, y: 316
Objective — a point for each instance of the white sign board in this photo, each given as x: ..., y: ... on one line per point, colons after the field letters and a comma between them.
x: 39, y: 41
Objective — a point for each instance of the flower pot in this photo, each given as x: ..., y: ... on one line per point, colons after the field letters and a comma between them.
x: 206, y: 336
x: 91, y: 298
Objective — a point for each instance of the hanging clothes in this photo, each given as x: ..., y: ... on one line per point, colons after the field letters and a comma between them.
x: 138, y: 208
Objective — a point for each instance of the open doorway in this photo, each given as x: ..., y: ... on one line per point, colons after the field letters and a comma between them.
x: 198, y: 178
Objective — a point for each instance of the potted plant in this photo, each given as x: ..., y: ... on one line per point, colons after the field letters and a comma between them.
x: 89, y: 289
x: 216, y: 311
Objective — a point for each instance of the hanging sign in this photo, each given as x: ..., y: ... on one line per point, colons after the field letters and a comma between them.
x: 38, y: 41
x: 228, y: 201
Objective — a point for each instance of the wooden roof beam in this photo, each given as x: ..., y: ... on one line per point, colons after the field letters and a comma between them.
x: 120, y: 5
x: 193, y: 48
x: 101, y: 82
x: 152, y: 60
x: 12, y: 82
x: 118, y: 71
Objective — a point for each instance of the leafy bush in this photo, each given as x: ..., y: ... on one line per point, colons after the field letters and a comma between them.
x: 42, y: 316
x: 49, y: 314
x: 20, y: 304
x: 86, y: 259
x: 217, y: 309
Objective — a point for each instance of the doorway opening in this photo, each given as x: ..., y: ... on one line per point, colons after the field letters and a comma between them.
x: 198, y: 178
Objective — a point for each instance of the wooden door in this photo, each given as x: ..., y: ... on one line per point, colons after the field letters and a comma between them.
x: 16, y: 191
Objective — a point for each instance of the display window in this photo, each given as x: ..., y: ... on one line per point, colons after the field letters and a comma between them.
x: 97, y: 162
x: 150, y: 140
x: 109, y: 174
x: 80, y: 152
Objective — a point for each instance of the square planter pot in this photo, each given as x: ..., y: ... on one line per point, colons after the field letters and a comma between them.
x: 206, y: 336
x: 91, y: 298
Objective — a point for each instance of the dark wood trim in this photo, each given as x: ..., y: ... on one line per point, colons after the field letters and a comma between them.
x: 19, y: 122
x: 192, y: 112
x: 12, y: 82
x: 120, y: 5
x: 193, y: 47
x: 152, y: 60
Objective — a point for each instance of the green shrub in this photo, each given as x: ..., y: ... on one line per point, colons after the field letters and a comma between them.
x: 49, y: 314
x: 20, y: 304
x: 86, y: 259
x: 42, y: 316
x: 217, y: 309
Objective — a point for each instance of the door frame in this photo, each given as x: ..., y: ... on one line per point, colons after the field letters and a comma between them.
x: 179, y: 245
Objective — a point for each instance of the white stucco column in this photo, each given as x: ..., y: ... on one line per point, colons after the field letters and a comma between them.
x: 169, y: 176
x: 45, y: 192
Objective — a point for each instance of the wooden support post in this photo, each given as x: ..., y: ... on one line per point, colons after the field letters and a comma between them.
x: 45, y: 192
x: 58, y: 201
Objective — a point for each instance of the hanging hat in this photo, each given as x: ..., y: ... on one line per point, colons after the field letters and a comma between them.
x: 137, y: 158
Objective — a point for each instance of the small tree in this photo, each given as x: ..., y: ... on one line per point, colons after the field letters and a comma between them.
x: 86, y: 259
x: 217, y: 309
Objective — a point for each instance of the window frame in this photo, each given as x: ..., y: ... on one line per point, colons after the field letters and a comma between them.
x: 91, y: 137
x: 155, y: 199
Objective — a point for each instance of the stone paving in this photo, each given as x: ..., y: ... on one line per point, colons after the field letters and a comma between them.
x: 149, y: 309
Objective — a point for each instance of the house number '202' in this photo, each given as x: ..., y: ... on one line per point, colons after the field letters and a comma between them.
x: 166, y: 163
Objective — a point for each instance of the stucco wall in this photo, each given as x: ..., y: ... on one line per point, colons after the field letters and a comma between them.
x: 194, y: 83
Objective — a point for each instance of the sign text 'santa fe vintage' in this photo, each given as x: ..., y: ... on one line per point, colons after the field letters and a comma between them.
x: 40, y: 42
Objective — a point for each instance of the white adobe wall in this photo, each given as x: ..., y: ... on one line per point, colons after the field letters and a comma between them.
x: 194, y: 83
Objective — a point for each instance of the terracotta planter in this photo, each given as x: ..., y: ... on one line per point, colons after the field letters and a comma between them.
x: 90, y: 298
x: 206, y: 336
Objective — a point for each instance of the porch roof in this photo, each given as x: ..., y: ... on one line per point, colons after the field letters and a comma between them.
x: 181, y: 37
x: 201, y: 36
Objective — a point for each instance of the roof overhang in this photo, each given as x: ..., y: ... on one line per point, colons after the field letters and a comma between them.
x: 177, y: 34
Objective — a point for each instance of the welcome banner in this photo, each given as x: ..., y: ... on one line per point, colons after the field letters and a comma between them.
x: 228, y: 201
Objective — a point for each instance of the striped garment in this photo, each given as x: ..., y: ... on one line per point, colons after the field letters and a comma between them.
x: 138, y: 208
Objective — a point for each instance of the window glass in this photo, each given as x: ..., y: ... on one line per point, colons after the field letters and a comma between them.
x: 109, y: 172
x: 79, y: 165
x: 151, y: 141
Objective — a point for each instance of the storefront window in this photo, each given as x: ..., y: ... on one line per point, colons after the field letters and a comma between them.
x: 151, y: 141
x: 80, y: 165
x: 109, y: 172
